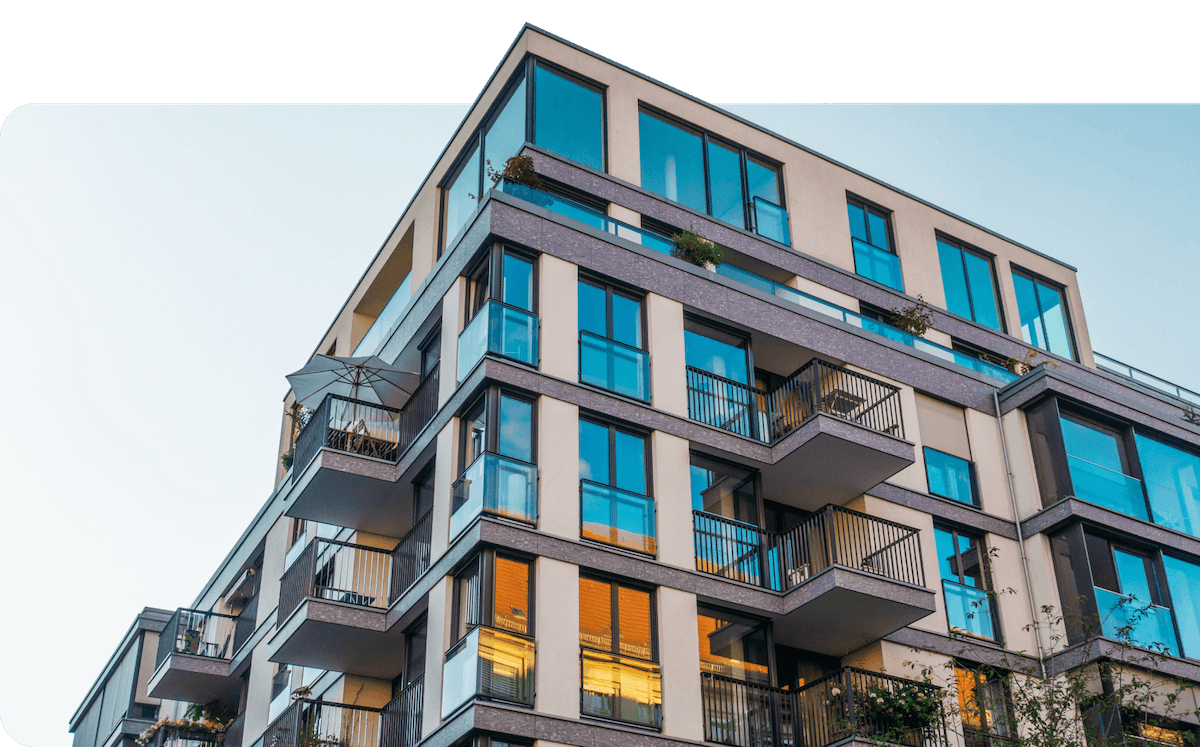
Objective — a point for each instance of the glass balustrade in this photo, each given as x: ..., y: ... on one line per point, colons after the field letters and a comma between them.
x: 969, y: 609
x: 881, y: 266
x: 616, y: 517
x: 1126, y: 618
x: 372, y: 342
x: 614, y: 366
x: 488, y: 663
x: 621, y: 688
x: 495, y: 485
x: 771, y: 221
x: 501, y: 330
x: 1107, y: 487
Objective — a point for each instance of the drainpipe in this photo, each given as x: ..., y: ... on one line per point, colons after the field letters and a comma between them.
x: 1012, y: 496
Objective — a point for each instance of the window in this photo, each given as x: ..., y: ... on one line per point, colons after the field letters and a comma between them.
x: 948, y: 466
x: 611, y: 340
x: 1172, y: 480
x: 501, y: 308
x: 950, y: 476
x: 1100, y: 466
x: 620, y: 680
x: 415, y: 639
x: 495, y: 591
x: 614, y: 479
x: 871, y: 239
x: 706, y: 174
x: 733, y: 646
x: 719, y: 383
x: 423, y: 492
x: 431, y: 351
x: 962, y: 562
x: 984, y: 706
x: 1183, y: 584
x: 969, y: 283
x: 1043, y: 312
x: 569, y: 116
x: 497, y: 448
x: 1131, y: 598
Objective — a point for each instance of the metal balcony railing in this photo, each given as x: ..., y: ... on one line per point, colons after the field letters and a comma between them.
x: 832, y: 536
x: 746, y: 714
x: 402, y: 716
x: 336, y: 572
x: 175, y: 736
x: 198, y: 633
x: 844, y: 704
x: 411, y: 557
x: 420, y: 408
x: 308, y: 723
x: 817, y: 387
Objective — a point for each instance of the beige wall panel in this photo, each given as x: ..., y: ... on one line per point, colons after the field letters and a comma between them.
x: 1045, y: 591
x: 903, y: 661
x: 146, y: 668
x: 679, y: 654
x: 812, y: 288
x: 1020, y: 455
x: 557, y: 630
x: 984, y: 433
x: 624, y: 155
x: 869, y: 657
x: 453, y: 304
x: 558, y: 310
x: 274, y: 553
x: 913, y: 476
x: 943, y: 427
x: 924, y: 522
x: 668, y: 374
x: 624, y: 214
x: 447, y: 470
x: 366, y: 692
x: 558, y: 468
x: 673, y: 500
x: 1012, y: 598
x: 436, y: 645
x: 258, y: 693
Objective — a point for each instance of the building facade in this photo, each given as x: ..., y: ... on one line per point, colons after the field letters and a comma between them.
x: 641, y: 497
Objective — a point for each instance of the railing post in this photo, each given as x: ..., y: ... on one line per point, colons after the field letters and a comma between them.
x: 830, y: 542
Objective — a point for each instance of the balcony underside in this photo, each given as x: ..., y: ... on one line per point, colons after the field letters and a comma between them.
x: 830, y: 460
x: 339, y: 637
x: 349, y: 490
x: 842, y: 609
x: 194, y: 679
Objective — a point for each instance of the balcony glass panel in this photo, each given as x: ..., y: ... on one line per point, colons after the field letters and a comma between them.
x: 1141, y: 623
x: 1107, y: 487
x: 610, y: 365
x: 621, y: 688
x: 616, y: 517
x: 488, y: 663
x: 500, y: 330
x: 771, y: 221
x: 496, y: 485
x: 372, y: 342
x: 878, y: 265
x: 949, y: 476
x: 968, y: 609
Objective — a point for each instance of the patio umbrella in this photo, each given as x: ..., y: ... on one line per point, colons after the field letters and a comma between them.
x: 367, y: 379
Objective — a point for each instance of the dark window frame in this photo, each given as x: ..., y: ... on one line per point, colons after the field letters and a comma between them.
x: 613, y: 426
x: 484, y: 563
x: 490, y: 398
x: 976, y: 498
x: 427, y: 472
x: 614, y: 585
x: 490, y: 262
x: 434, y: 335
x: 982, y: 676
x: 965, y: 248
x: 611, y: 288
x: 1066, y: 307
x: 985, y: 567
x: 744, y: 154
x: 532, y: 62
x: 873, y: 207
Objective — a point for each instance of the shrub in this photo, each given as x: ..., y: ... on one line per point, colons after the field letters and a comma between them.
x: 692, y: 247
x: 519, y: 169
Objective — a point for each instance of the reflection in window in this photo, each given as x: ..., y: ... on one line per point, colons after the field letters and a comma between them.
x: 731, y: 647
x: 506, y: 134
x: 1099, y: 468
x: 1183, y: 581
x: 1043, y: 313
x: 949, y: 476
x: 462, y: 196
x: 1172, y: 479
x: 672, y: 161
x: 871, y: 239
x: 983, y: 706
x: 965, y: 585
x: 969, y: 283
x: 569, y: 118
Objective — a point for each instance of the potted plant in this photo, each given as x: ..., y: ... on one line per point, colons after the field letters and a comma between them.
x: 692, y: 247
x: 517, y: 169
x: 915, y: 319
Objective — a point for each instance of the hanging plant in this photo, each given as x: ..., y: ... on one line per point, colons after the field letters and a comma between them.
x: 692, y: 247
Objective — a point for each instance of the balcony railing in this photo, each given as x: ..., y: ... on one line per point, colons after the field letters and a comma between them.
x: 969, y: 609
x: 175, y: 736
x: 771, y: 221
x: 839, y: 706
x: 308, y: 723
x: 348, y: 425
x: 881, y: 266
x: 495, y: 485
x: 614, y: 366
x: 1136, y: 621
x: 488, y: 663
x: 832, y: 536
x: 746, y: 714
x: 498, y: 329
x: 198, y: 633
x: 411, y: 557
x: 1106, y: 487
x: 620, y: 688
x: 616, y: 517
x: 420, y: 408
x: 817, y: 387
x: 1150, y: 380
x: 336, y: 572
x: 402, y: 717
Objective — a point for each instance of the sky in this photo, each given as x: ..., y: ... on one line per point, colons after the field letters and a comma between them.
x: 163, y: 267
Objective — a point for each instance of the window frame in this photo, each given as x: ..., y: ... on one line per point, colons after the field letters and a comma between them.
x: 976, y: 498
x: 985, y: 573
x: 744, y: 154
x: 981, y: 677
x: 874, y: 207
x: 434, y: 335
x: 1061, y: 289
x: 490, y: 398
x: 613, y: 426
x: 963, y: 249
x: 485, y: 562
x: 491, y: 263
x: 532, y: 62
x: 428, y: 473
x: 613, y: 288
x: 614, y: 585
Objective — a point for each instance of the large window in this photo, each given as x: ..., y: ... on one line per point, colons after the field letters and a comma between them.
x: 947, y: 450
x: 612, y: 342
x: 501, y: 310
x: 1183, y: 583
x: 969, y: 283
x: 568, y: 120
x: 1043, y: 311
x: 618, y: 651
x: 709, y: 175
x: 871, y: 239
x: 1172, y: 480
x: 615, y: 507
x: 984, y: 707
x: 1131, y: 595
x: 494, y: 590
x: 965, y: 584
x: 732, y: 646
x: 498, y: 447
x: 1100, y: 467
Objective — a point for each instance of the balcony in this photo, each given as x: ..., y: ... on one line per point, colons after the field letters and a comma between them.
x: 830, y: 710
x: 1141, y: 377
x: 1137, y: 622
x: 881, y: 266
x: 837, y: 433
x: 616, y: 517
x: 620, y: 688
x: 490, y: 664
x: 614, y: 366
x: 494, y: 485
x: 344, y: 466
x: 771, y: 221
x: 401, y: 725
x: 194, y: 652
x: 498, y: 329
x: 333, y: 603
x: 1106, y: 487
x: 308, y: 723
x: 175, y: 736
x: 847, y: 578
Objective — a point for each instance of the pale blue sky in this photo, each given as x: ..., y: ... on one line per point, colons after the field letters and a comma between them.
x: 163, y: 268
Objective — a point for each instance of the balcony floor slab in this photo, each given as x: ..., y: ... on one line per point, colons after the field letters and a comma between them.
x: 194, y: 679
x: 339, y: 637
x: 349, y: 490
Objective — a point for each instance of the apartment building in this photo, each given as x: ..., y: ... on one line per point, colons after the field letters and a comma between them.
x: 638, y: 500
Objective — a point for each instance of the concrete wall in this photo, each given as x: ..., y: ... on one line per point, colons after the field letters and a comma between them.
x: 556, y: 627
x: 558, y: 467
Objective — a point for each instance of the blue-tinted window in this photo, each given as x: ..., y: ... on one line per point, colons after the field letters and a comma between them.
x: 569, y: 118
x: 672, y: 161
x: 725, y: 184
x: 506, y: 134
x: 1095, y: 457
x: 611, y: 456
x: 717, y: 356
x: 627, y: 320
x: 516, y: 429
x: 631, y: 462
x: 964, y: 585
x: 517, y: 289
x: 969, y: 284
x: 763, y: 180
x: 1172, y: 479
x: 1183, y: 581
x: 593, y: 452
x: 610, y: 341
x: 870, y: 239
x: 949, y: 476
x: 1043, y: 316
x: 593, y: 305
x: 462, y: 196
